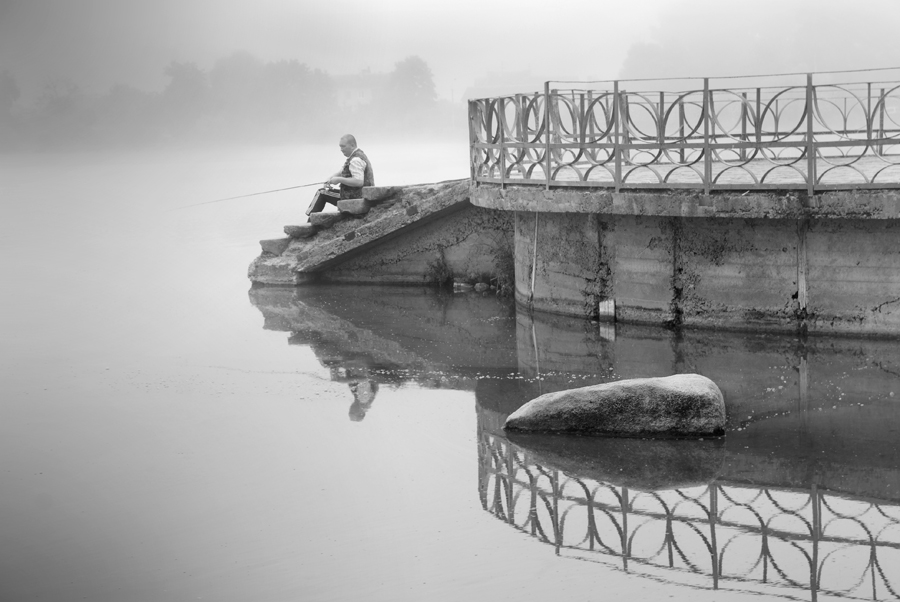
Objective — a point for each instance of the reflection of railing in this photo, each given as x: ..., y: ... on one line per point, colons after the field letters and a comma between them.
x: 727, y: 534
x: 808, y: 136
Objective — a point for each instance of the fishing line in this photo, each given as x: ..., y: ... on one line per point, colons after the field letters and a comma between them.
x: 243, y: 196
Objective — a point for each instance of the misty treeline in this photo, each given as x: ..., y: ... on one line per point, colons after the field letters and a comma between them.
x: 240, y: 98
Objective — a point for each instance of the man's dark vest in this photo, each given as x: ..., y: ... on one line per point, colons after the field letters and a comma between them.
x: 354, y: 192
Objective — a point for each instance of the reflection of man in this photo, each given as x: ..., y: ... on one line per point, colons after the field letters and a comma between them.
x: 356, y: 173
x: 363, y: 396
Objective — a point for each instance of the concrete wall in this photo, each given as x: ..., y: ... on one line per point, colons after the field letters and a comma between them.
x: 471, y: 241
x: 739, y: 273
x: 568, y: 268
x: 823, y: 275
x: 854, y: 275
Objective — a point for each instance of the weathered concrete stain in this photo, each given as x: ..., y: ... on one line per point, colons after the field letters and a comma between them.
x: 560, y: 263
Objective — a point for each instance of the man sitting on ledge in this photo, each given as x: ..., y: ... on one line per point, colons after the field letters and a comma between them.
x: 356, y: 173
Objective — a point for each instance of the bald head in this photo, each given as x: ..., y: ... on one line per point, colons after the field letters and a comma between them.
x: 347, y: 144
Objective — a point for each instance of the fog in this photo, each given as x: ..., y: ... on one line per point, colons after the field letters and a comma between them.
x: 97, y: 72
x: 165, y: 439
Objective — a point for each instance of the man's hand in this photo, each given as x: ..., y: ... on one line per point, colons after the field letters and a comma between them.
x: 355, y: 182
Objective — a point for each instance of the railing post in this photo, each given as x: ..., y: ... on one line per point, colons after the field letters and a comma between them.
x: 713, y: 544
x: 501, y: 118
x: 810, y: 140
x: 582, y: 126
x: 625, y: 528
x: 557, y: 533
x: 759, y: 121
x: 661, y: 128
x: 777, y: 121
x: 472, y: 140
x: 881, y: 103
x: 510, y: 471
x: 617, y: 148
x: 522, y: 130
x: 547, y: 131
x: 626, y: 133
x: 869, y: 117
x: 520, y: 118
x: 681, y: 128
x: 743, y: 125
x: 816, y: 535
x: 589, y: 116
x: 707, y: 156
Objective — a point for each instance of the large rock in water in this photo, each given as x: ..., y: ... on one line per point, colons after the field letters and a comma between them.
x: 683, y: 405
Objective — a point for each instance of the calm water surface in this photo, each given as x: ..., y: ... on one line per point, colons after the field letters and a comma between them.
x: 168, y: 436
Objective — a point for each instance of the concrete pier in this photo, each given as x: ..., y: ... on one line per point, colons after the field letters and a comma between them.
x: 753, y: 260
x: 764, y: 260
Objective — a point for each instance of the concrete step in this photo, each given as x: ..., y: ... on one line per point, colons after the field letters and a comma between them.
x: 323, y: 221
x: 394, y: 211
x: 376, y: 195
x: 301, y: 231
x: 354, y: 207
x: 275, y: 246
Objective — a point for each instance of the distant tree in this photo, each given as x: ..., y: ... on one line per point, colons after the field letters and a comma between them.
x: 127, y: 114
x: 59, y: 97
x: 61, y: 114
x: 412, y: 83
x: 9, y: 92
x: 408, y: 98
x: 186, y: 95
x: 296, y: 93
x: 235, y: 83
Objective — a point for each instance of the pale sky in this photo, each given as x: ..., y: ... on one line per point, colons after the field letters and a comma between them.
x: 97, y: 43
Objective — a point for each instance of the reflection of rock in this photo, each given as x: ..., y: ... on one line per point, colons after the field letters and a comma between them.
x: 794, y: 451
x: 645, y: 464
x: 681, y: 405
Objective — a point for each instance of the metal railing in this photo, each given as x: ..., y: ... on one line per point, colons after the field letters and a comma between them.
x: 758, y: 539
x: 804, y: 136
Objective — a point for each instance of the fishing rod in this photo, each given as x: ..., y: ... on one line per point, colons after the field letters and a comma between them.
x: 243, y: 196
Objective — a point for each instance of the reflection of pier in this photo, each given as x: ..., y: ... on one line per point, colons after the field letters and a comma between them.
x: 720, y: 535
x: 806, y: 480
x: 395, y: 334
x: 800, y: 411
